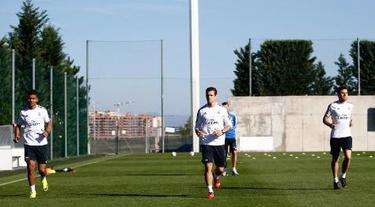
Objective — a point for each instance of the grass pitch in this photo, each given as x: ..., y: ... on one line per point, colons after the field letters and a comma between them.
x: 266, y: 179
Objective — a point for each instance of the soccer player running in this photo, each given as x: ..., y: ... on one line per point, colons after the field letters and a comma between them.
x: 34, y: 118
x: 211, y: 124
x: 339, y: 118
x: 230, y: 140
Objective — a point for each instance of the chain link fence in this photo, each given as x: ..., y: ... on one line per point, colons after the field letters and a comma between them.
x: 63, y: 94
x: 129, y: 102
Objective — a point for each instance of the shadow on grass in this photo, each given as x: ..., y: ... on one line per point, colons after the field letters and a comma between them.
x: 139, y: 195
x: 277, y: 189
x: 154, y: 174
x: 13, y: 195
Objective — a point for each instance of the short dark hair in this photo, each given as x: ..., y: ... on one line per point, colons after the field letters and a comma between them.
x: 340, y: 88
x: 211, y: 89
x: 32, y: 92
x: 224, y: 103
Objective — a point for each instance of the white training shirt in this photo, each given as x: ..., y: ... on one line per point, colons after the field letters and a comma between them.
x: 341, y: 114
x: 33, y: 121
x: 209, y: 119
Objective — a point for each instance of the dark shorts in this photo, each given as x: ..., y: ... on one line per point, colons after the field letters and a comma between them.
x: 36, y: 153
x: 231, y: 144
x: 340, y: 143
x: 213, y: 154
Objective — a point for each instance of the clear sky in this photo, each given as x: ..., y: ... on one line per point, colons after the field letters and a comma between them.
x: 129, y: 71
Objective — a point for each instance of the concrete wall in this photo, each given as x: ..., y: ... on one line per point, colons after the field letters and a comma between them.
x: 5, y: 158
x: 11, y: 158
x: 295, y: 122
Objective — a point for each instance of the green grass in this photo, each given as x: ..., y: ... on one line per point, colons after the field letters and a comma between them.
x: 55, y: 162
x: 163, y: 180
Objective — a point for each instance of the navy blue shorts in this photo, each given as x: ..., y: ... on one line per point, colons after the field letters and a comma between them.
x: 340, y: 143
x: 231, y: 144
x: 36, y: 153
x: 213, y: 154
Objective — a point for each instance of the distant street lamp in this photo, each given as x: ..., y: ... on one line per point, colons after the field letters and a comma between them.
x: 117, y: 126
x: 6, y: 45
x: 118, y: 105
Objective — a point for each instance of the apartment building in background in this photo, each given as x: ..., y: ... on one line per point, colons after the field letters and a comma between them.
x: 107, y: 124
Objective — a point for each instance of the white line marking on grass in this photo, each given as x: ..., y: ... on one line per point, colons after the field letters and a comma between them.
x: 75, y: 166
x: 14, y: 181
x: 99, y: 160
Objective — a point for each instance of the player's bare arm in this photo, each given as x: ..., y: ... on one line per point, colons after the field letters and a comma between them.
x: 17, y: 129
x: 199, y: 132
x: 47, y: 132
x: 327, y: 120
x: 219, y: 132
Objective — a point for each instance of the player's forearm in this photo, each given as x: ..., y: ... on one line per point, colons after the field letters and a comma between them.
x: 198, y: 132
x: 226, y: 128
x: 328, y: 122
x: 49, y: 127
x: 16, y: 133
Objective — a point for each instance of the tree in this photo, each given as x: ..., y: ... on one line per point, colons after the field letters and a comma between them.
x: 367, y: 65
x: 34, y: 38
x: 51, y: 46
x: 286, y: 67
x: 5, y: 80
x: 241, y: 83
x: 187, y: 129
x: 50, y: 55
x: 26, y: 36
x: 345, y: 75
x: 322, y: 84
x: 25, y: 39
